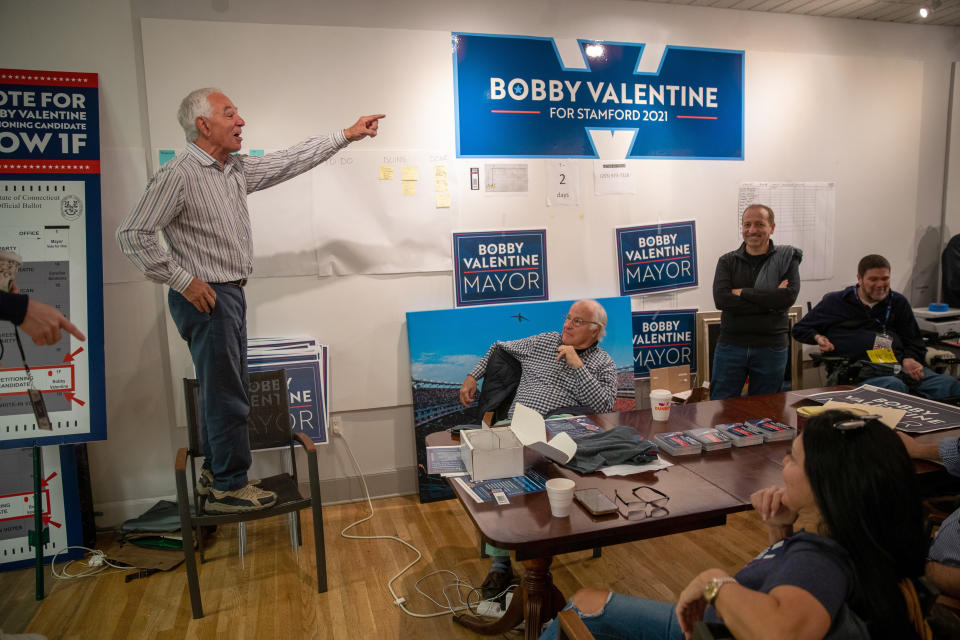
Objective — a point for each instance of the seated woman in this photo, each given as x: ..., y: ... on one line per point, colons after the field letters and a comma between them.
x: 853, y: 477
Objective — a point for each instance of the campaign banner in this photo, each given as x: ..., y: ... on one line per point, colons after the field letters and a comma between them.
x: 664, y: 339
x: 50, y: 204
x: 524, y: 96
x: 922, y: 415
x: 657, y: 257
x: 500, y: 266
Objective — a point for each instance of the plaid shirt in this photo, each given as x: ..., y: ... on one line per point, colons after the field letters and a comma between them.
x: 547, y: 384
x: 946, y: 545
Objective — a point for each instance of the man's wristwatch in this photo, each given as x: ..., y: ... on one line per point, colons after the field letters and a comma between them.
x: 712, y: 588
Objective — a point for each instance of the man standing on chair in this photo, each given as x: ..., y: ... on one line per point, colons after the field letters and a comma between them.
x: 754, y: 287
x: 866, y: 316
x: 198, y: 201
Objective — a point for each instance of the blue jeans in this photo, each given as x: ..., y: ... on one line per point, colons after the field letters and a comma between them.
x: 218, y: 346
x: 627, y: 618
x: 934, y: 386
x: 732, y: 364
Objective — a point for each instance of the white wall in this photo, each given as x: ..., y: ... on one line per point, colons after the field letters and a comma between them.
x: 887, y: 202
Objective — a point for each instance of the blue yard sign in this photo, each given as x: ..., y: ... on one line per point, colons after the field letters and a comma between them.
x: 657, y: 257
x: 520, y: 96
x: 500, y: 266
x: 664, y: 339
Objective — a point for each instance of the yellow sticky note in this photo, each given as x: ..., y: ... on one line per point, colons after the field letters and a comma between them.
x: 440, y: 184
x: 409, y: 172
x: 442, y: 200
x: 440, y: 171
x: 386, y: 172
x: 408, y: 188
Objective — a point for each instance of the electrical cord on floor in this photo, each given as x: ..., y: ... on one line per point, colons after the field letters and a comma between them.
x: 459, y: 584
x: 97, y: 562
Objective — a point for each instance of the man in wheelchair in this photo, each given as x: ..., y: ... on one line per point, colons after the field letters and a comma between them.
x: 865, y: 316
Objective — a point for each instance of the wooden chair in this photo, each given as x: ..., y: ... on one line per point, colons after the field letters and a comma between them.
x: 269, y: 426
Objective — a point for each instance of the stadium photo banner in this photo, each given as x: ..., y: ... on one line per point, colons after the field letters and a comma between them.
x: 664, y: 339
x: 528, y: 97
x: 446, y: 344
x: 492, y: 267
x: 50, y: 203
x: 657, y: 257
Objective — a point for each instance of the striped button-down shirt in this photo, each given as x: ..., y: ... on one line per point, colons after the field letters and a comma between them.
x: 547, y: 384
x: 202, y: 211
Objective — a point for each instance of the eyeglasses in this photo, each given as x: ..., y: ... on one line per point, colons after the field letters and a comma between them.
x: 642, y: 502
x: 578, y: 322
x: 856, y: 423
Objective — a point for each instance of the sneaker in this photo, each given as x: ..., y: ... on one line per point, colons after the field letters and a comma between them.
x: 205, y: 482
x: 248, y: 498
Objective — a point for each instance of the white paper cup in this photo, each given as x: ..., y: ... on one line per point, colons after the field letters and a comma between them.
x: 10, y: 262
x: 660, y: 404
x: 560, y: 494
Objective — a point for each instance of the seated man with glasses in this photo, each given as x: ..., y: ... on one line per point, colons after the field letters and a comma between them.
x: 559, y: 370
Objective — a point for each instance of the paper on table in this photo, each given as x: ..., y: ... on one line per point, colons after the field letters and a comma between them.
x: 888, y: 416
x: 531, y: 431
x: 628, y: 469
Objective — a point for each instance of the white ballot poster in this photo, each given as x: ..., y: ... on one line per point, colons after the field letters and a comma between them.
x: 59, y: 505
x: 50, y: 204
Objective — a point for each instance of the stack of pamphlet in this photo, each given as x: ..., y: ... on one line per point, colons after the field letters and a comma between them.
x: 305, y: 361
x: 711, y: 439
x: 742, y: 435
x: 772, y: 430
x: 678, y: 443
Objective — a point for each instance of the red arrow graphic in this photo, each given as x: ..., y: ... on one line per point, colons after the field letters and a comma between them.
x: 69, y: 358
x: 47, y: 520
x: 47, y: 480
x: 70, y: 396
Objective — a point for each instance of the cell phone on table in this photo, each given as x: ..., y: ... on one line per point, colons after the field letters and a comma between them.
x: 595, y: 502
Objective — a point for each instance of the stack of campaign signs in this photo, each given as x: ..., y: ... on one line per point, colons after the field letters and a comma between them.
x: 305, y: 361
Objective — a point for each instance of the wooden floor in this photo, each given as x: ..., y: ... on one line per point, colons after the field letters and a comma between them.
x: 274, y: 595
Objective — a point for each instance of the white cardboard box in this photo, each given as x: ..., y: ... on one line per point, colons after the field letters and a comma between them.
x: 498, y: 452
x: 491, y: 453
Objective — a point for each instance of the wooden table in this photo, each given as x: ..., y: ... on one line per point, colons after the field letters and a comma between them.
x: 703, y: 489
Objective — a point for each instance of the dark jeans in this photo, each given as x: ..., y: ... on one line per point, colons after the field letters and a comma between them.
x: 218, y: 346
x: 732, y: 364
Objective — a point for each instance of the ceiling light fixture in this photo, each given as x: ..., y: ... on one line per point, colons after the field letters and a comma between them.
x: 924, y: 12
x: 594, y: 50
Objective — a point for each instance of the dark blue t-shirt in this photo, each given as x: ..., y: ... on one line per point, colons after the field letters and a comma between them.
x: 818, y: 565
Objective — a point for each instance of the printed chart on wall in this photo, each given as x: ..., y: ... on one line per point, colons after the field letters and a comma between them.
x: 50, y: 203
x: 805, y: 215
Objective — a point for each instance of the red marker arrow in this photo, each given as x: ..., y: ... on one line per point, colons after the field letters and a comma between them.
x: 47, y: 480
x: 69, y: 358
x: 48, y: 520
x: 70, y: 396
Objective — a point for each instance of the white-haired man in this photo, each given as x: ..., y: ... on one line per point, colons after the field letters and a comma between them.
x: 559, y: 371
x: 199, y: 201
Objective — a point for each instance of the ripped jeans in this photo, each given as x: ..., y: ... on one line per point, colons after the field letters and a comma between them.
x: 627, y: 618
